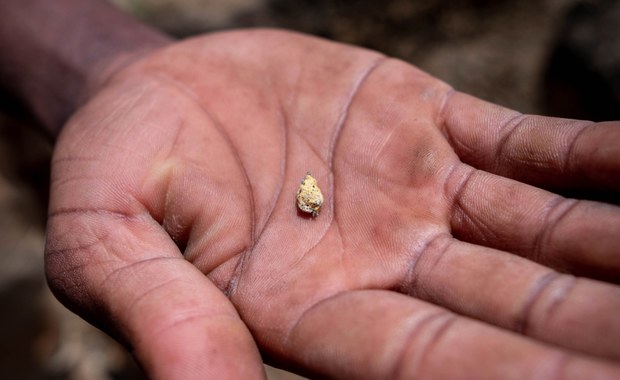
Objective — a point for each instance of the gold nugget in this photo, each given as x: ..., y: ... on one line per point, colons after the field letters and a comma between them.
x: 309, y: 197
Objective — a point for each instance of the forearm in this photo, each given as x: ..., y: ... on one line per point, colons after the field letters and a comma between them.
x: 54, y: 54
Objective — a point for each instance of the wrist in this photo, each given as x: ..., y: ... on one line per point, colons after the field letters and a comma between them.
x: 57, y: 53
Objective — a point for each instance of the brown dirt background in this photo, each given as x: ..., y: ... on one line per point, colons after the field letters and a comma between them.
x: 554, y: 57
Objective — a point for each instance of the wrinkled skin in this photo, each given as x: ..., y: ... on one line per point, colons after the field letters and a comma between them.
x: 173, y: 222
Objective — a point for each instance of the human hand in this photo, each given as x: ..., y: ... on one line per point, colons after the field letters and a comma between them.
x: 173, y: 222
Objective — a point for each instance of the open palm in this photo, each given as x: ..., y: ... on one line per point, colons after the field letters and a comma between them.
x: 186, y: 164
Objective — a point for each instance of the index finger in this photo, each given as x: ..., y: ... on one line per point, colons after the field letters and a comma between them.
x: 543, y: 151
x: 374, y: 334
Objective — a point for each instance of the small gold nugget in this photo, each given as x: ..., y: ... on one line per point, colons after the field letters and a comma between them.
x: 309, y: 197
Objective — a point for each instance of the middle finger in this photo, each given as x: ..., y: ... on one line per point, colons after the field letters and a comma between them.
x: 517, y: 294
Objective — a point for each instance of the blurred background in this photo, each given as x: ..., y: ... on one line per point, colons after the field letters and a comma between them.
x: 553, y: 57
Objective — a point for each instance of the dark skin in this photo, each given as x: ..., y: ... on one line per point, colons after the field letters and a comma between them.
x: 437, y: 253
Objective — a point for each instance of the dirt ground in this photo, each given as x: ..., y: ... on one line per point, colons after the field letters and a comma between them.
x: 554, y: 57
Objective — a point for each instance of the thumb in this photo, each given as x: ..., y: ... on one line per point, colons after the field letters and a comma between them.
x: 123, y: 273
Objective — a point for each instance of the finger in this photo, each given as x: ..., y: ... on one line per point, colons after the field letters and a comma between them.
x: 383, y: 335
x: 517, y: 294
x: 543, y: 151
x: 580, y: 237
x: 124, y: 273
x: 115, y: 214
